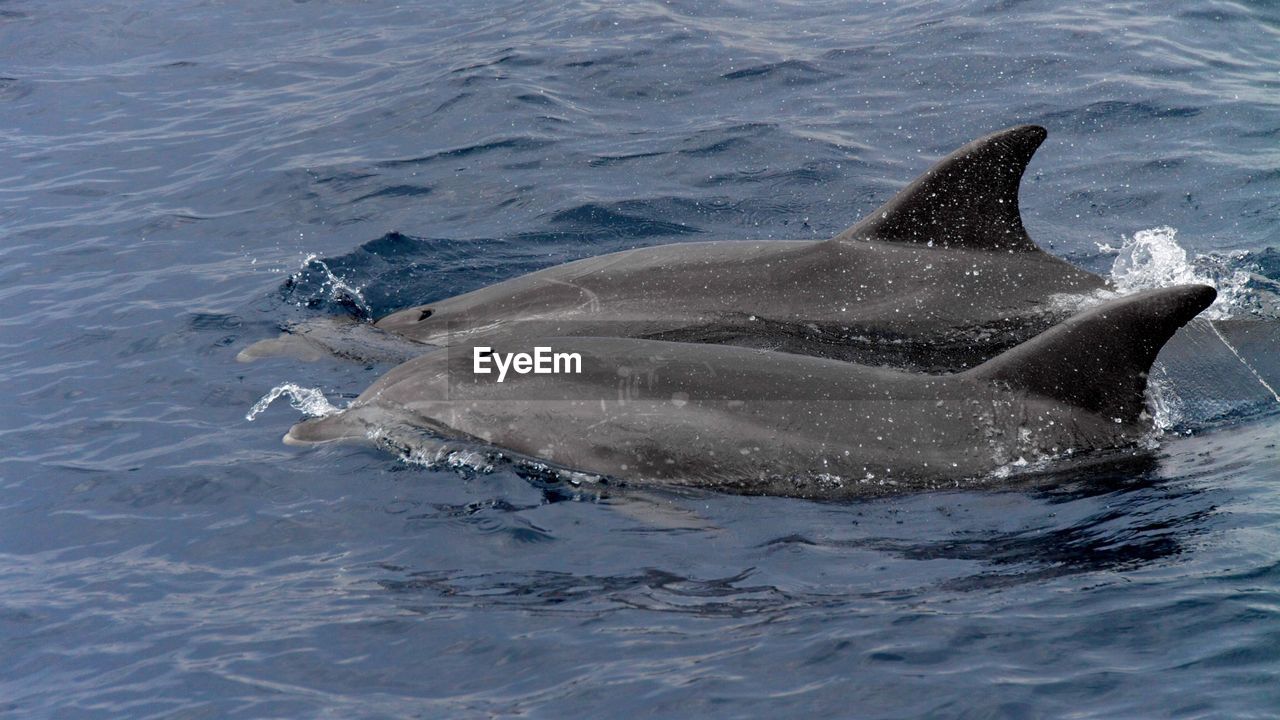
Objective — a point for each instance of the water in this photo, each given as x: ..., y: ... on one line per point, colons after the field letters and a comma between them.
x: 169, y: 167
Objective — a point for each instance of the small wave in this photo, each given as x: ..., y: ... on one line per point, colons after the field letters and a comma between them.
x: 790, y: 72
x: 601, y: 219
x: 1116, y: 113
x: 398, y: 191
x: 604, y: 160
x: 13, y: 88
x: 513, y: 144
x: 311, y: 402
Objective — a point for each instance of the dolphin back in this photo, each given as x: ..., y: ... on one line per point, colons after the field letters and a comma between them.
x: 969, y: 199
x: 1098, y: 359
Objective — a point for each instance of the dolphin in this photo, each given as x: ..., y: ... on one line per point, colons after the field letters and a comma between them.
x: 764, y: 422
x: 940, y: 278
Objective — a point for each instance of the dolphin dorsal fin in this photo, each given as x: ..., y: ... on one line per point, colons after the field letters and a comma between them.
x: 1098, y: 359
x: 969, y: 199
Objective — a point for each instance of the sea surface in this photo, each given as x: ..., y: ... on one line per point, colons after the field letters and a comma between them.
x: 179, y: 179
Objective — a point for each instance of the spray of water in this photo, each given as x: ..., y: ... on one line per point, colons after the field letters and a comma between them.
x: 433, y: 453
x: 337, y: 288
x: 1167, y: 408
x: 311, y: 402
x: 1153, y: 258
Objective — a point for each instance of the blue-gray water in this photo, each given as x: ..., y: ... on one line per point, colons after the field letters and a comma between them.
x: 166, y: 168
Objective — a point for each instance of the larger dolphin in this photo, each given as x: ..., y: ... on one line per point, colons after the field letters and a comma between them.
x: 941, y: 277
x: 774, y: 423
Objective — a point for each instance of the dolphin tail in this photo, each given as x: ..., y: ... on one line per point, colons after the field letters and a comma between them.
x: 969, y: 199
x: 1098, y: 359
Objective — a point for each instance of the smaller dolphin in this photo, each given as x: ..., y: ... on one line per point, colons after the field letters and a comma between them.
x: 763, y: 422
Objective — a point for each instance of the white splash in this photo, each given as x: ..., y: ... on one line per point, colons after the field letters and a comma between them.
x: 414, y: 448
x: 1154, y: 259
x: 446, y: 458
x: 311, y: 402
x: 337, y: 287
x: 1165, y: 406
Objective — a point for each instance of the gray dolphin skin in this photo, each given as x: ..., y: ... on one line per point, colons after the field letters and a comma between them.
x: 760, y: 422
x: 940, y: 278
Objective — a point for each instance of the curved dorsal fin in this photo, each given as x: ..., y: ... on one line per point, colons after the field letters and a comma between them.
x: 969, y: 199
x: 1098, y: 359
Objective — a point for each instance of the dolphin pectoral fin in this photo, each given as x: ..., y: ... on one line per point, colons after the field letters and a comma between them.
x: 1098, y: 359
x: 969, y: 199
